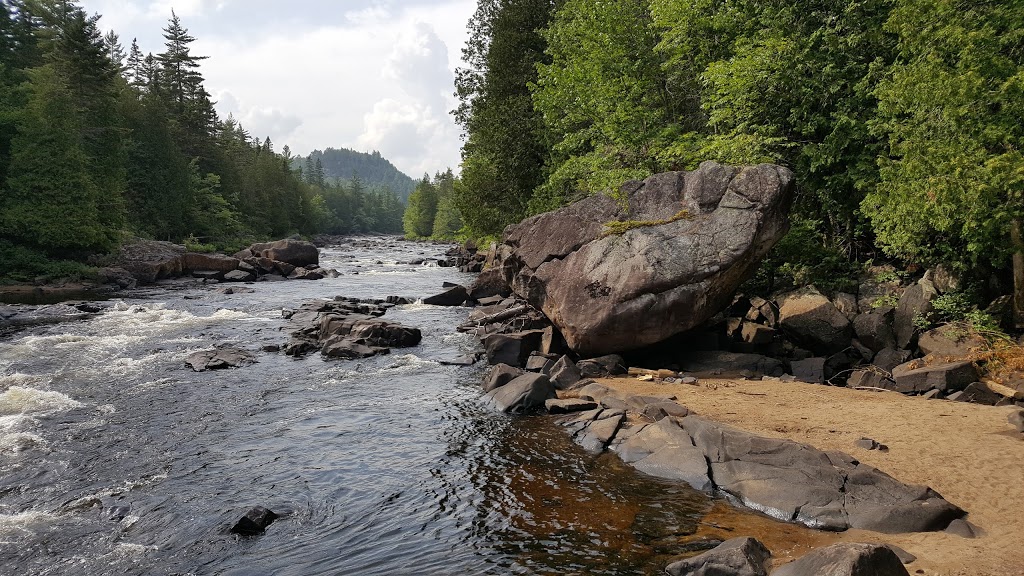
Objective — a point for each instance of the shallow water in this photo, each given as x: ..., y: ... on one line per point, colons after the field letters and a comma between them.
x: 117, y: 459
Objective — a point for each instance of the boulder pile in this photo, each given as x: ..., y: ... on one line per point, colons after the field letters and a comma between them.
x: 147, y: 261
x: 346, y: 328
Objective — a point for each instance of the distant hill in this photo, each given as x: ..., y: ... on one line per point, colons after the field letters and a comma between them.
x: 371, y: 168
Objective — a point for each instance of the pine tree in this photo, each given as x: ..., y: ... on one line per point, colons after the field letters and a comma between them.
x: 115, y: 52
x: 133, y: 66
x: 51, y: 202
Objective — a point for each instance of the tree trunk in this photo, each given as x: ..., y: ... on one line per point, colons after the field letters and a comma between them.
x: 1018, y: 273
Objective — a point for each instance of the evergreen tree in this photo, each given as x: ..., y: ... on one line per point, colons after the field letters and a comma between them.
x: 50, y: 201
x: 505, y: 150
x: 418, y: 221
x: 115, y: 52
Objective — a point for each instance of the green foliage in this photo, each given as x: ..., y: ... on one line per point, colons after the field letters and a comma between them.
x: 505, y: 149
x: 94, y: 145
x: 951, y: 109
x: 193, y: 244
x: 801, y: 258
x: 23, y: 264
x: 958, y: 307
x: 418, y: 220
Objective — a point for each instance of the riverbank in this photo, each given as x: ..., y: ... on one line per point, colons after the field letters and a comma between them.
x: 966, y: 452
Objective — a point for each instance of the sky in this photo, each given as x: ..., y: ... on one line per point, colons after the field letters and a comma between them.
x: 314, y: 74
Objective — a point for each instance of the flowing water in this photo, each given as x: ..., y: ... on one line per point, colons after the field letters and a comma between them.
x: 117, y: 459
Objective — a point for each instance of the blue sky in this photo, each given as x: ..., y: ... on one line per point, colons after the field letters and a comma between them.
x: 363, y: 74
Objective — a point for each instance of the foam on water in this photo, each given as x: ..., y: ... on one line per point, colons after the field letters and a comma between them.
x: 24, y: 522
x: 20, y: 441
x: 20, y: 400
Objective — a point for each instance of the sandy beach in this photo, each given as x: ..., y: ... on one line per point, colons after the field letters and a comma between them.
x: 966, y: 452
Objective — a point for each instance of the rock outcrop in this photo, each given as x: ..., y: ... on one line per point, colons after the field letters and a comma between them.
x: 787, y: 480
x: 346, y: 328
x: 677, y: 252
x: 219, y: 359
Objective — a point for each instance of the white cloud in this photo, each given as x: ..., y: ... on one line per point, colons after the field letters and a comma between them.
x: 319, y: 75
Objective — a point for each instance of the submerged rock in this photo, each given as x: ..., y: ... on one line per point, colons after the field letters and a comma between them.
x: 735, y: 557
x: 254, y: 522
x: 219, y: 359
x: 688, y: 240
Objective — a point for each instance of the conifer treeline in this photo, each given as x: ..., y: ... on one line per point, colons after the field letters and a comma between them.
x: 96, y: 143
x: 900, y: 118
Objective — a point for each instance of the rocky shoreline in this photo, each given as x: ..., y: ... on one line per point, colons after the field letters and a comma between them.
x: 559, y: 291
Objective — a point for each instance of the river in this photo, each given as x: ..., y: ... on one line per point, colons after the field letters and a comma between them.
x: 115, y: 458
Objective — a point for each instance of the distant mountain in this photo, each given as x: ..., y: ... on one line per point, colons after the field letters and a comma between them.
x: 372, y: 169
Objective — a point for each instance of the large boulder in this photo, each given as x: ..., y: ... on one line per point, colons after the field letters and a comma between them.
x: 814, y: 321
x: 295, y: 252
x: 685, y: 242
x: 193, y: 261
x: 150, y: 260
x: 947, y: 377
x: 735, y: 557
x: 874, y: 330
x: 846, y: 559
x: 521, y: 394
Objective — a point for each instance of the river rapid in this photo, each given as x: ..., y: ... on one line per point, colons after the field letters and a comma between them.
x: 115, y: 458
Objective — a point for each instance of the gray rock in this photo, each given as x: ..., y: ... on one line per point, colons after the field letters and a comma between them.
x: 254, y: 522
x: 665, y: 450
x: 294, y: 252
x: 659, y: 410
x: 522, y: 394
x: 877, y: 501
x: 489, y: 284
x: 874, y: 330
x: 734, y: 557
x: 757, y: 334
x: 916, y: 301
x: 537, y: 363
x: 607, y: 365
x: 948, y: 377
x: 947, y: 341
x: 451, y: 297
x: 870, y: 379
x: 512, y: 349
x: 596, y: 435
x: 1016, y: 419
x: 963, y: 529
x: 617, y: 292
x: 795, y: 482
x: 568, y: 405
x: 564, y: 373
x: 979, y: 393
x: 499, y: 375
x: 814, y: 321
x: 219, y: 359
x: 846, y: 560
x: 811, y: 370
x: 904, y: 556
x: 847, y: 304
x: 239, y: 276
x: 889, y: 358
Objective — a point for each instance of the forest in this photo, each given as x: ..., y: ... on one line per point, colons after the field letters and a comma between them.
x: 339, y: 164
x: 99, y: 142
x: 900, y: 119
